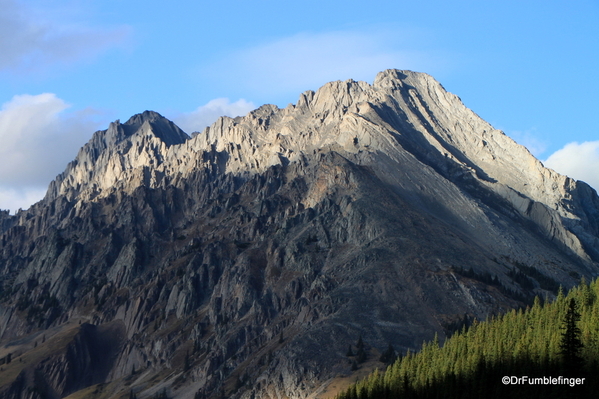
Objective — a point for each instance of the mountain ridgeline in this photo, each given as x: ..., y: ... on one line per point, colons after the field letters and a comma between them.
x: 242, y: 261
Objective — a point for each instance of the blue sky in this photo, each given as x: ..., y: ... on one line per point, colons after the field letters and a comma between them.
x: 69, y: 67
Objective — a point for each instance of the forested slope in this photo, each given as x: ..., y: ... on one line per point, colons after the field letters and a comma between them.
x: 555, y: 339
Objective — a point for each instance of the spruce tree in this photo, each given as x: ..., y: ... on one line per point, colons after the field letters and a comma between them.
x: 349, y: 352
x: 361, y: 353
x: 571, y: 344
x: 388, y: 357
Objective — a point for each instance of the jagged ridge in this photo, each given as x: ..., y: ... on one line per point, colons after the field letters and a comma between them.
x: 402, y: 113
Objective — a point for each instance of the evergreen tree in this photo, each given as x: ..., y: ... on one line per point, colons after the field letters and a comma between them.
x: 588, y: 296
x: 361, y: 353
x: 388, y: 356
x: 349, y: 352
x: 360, y: 343
x: 570, y: 344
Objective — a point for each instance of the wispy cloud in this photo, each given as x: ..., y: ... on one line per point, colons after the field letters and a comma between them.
x: 38, y: 140
x: 20, y: 197
x: 579, y: 161
x: 530, y: 139
x: 308, y: 60
x: 31, y: 39
x: 205, y: 115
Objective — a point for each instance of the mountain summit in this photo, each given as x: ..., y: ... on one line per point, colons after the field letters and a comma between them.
x: 245, y: 260
x: 113, y: 154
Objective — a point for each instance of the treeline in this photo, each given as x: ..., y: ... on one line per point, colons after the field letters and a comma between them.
x: 554, y: 339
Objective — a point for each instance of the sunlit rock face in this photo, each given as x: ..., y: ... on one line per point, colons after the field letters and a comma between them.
x: 244, y: 260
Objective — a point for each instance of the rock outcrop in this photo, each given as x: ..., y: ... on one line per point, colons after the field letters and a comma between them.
x: 245, y: 259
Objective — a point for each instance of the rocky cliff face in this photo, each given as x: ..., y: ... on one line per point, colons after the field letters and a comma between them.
x: 244, y: 260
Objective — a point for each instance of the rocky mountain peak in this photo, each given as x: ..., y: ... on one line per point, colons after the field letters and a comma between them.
x: 148, y: 122
x: 347, y: 115
x: 119, y: 153
x: 403, y: 114
x: 147, y: 115
x: 161, y: 127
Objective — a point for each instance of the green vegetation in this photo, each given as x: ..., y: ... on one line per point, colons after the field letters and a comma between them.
x: 554, y: 339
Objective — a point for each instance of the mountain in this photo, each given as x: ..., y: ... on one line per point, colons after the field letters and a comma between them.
x: 244, y: 260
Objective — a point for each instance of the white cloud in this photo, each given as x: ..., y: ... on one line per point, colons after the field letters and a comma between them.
x: 579, y: 161
x: 38, y: 140
x: 40, y: 137
x: 33, y: 38
x: 205, y: 115
x: 308, y: 60
x: 23, y: 198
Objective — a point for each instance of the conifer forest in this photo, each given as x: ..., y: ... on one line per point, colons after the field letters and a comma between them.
x: 547, y: 350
